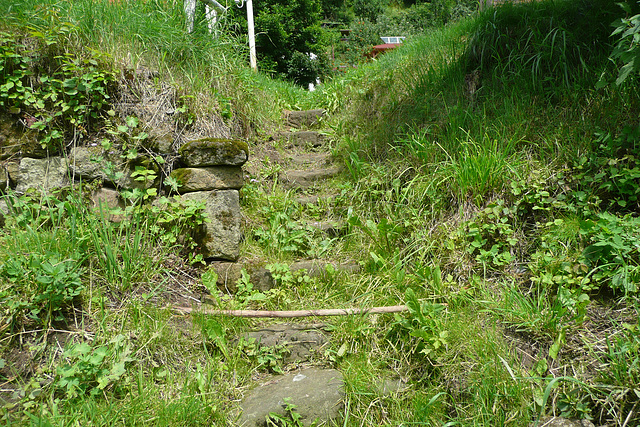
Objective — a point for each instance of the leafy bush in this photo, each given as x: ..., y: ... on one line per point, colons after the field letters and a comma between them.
x: 369, y: 9
x: 611, y: 171
x: 613, y: 254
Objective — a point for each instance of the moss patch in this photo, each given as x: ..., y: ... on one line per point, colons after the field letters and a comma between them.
x: 182, y: 175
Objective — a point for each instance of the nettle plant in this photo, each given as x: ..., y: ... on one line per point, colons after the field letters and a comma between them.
x: 55, y: 92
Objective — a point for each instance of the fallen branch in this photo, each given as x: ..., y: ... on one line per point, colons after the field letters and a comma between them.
x: 295, y: 313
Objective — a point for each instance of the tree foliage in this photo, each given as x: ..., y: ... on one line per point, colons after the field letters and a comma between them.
x: 627, y: 49
x: 290, y: 40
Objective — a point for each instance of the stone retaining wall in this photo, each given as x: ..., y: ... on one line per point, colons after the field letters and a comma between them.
x: 209, y: 170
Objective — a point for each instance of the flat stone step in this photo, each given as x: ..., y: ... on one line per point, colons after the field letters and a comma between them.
x: 307, y: 178
x: 309, y: 159
x: 316, y: 268
x: 330, y: 228
x: 307, y: 139
x: 316, y: 393
x: 304, y: 119
x: 314, y: 199
x: 300, y: 341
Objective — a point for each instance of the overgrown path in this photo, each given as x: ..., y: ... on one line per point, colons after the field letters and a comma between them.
x: 295, y: 166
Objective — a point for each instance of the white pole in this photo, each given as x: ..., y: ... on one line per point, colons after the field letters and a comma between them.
x: 252, y: 37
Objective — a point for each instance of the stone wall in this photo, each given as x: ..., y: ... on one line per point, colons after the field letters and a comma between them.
x: 209, y: 170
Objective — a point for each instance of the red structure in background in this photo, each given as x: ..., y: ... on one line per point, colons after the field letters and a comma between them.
x: 381, y: 48
x: 389, y: 44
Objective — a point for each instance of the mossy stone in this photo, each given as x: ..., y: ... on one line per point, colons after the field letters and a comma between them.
x: 214, y: 152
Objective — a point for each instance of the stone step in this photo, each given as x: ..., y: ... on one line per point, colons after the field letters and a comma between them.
x: 309, y: 139
x: 304, y: 119
x: 310, y: 159
x: 318, y: 396
x: 330, y: 228
x: 316, y: 268
x: 314, y: 199
x: 300, y: 342
x: 307, y: 178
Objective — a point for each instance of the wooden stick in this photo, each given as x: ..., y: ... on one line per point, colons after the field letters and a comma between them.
x: 296, y: 313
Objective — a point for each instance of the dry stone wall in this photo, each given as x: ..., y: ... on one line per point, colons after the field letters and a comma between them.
x: 209, y: 170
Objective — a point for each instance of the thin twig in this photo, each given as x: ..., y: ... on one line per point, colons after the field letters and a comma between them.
x: 295, y: 313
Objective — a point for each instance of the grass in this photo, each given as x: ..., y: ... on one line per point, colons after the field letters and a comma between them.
x: 479, y: 207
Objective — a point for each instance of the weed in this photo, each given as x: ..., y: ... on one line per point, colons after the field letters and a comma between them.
x: 291, y: 418
x: 423, y: 323
x: 93, y: 369
x: 269, y: 358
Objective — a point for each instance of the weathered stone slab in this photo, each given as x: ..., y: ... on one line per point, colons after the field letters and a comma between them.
x: 301, y: 341
x: 309, y: 138
x: 306, y: 178
x: 319, y: 268
x: 307, y: 118
x: 214, y: 152
x: 561, y: 422
x: 106, y: 199
x: 220, y: 238
x: 316, y: 393
x: 42, y: 174
x: 230, y: 272
x: 209, y: 178
x: 95, y: 163
x: 89, y: 163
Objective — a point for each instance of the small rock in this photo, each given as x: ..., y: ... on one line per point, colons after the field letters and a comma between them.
x: 105, y: 199
x: 316, y: 393
x: 161, y: 140
x: 230, y: 272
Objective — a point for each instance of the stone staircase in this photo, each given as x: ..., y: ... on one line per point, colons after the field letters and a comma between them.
x: 303, y: 162
x: 301, y: 157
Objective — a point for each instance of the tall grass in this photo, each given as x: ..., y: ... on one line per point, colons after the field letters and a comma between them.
x: 517, y: 71
x: 153, y: 35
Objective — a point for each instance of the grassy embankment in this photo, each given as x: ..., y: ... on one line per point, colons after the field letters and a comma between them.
x: 488, y: 182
